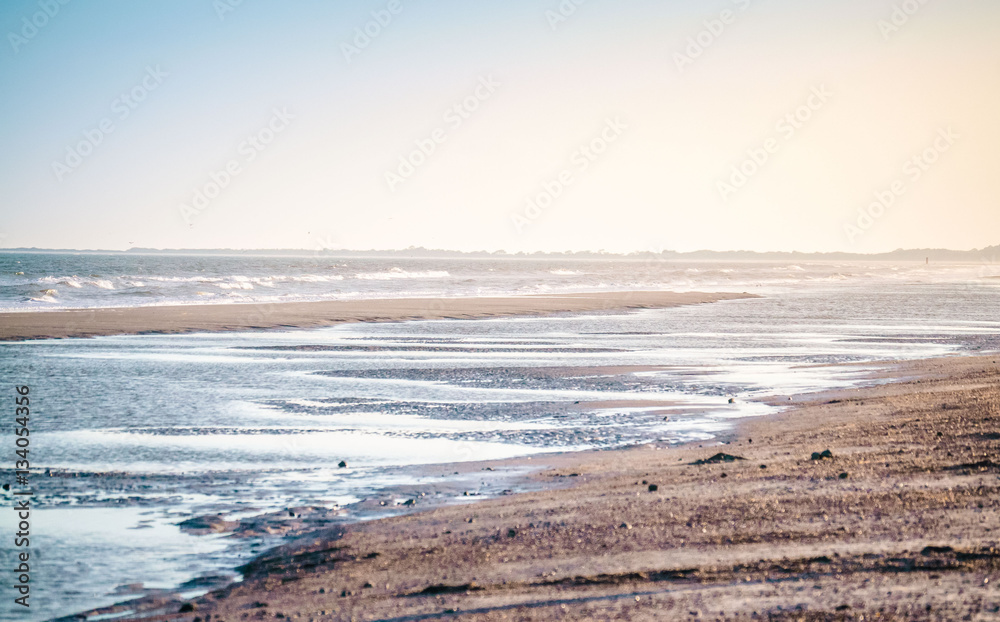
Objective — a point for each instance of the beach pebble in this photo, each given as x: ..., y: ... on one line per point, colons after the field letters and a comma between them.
x: 717, y: 458
x: 342, y: 464
x: 653, y: 488
x: 624, y: 526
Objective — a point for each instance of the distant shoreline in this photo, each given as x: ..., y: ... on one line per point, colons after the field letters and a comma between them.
x: 988, y: 254
x: 25, y: 325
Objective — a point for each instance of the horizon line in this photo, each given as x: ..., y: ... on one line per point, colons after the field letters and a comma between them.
x: 500, y: 252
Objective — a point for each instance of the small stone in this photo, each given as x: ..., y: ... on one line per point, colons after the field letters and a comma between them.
x: 624, y: 526
x: 936, y: 550
x: 511, y: 533
x: 843, y: 475
x: 342, y: 464
x: 763, y: 466
x: 653, y: 488
x: 732, y: 400
x: 187, y: 608
x: 717, y: 458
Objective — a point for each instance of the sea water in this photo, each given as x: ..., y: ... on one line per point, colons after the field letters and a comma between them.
x: 157, y: 429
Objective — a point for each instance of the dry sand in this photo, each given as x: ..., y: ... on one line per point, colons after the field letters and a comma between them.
x: 191, y: 318
x: 901, y: 523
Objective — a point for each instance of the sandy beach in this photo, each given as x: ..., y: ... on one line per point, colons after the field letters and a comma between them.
x: 874, y: 503
x: 417, y: 311
x: 256, y: 316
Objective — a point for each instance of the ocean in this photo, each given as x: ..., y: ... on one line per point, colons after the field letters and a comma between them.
x: 132, y: 435
x: 40, y: 281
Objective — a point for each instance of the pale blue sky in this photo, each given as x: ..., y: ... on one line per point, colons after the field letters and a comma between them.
x: 322, y: 180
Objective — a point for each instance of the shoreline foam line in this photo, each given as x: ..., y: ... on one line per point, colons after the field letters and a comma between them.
x: 24, y: 325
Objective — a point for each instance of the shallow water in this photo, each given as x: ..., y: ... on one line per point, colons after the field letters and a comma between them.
x: 244, y: 423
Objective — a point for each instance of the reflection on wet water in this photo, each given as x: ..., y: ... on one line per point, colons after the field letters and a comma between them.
x: 142, y: 432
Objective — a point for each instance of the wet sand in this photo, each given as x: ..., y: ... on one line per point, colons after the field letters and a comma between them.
x: 899, y: 522
x: 227, y: 317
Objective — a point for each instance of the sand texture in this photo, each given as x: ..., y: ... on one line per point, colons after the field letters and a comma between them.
x: 901, y: 522
x: 253, y: 316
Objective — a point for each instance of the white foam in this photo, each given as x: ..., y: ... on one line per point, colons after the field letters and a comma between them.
x: 399, y: 273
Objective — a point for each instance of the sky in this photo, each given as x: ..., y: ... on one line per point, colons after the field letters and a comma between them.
x: 552, y: 125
